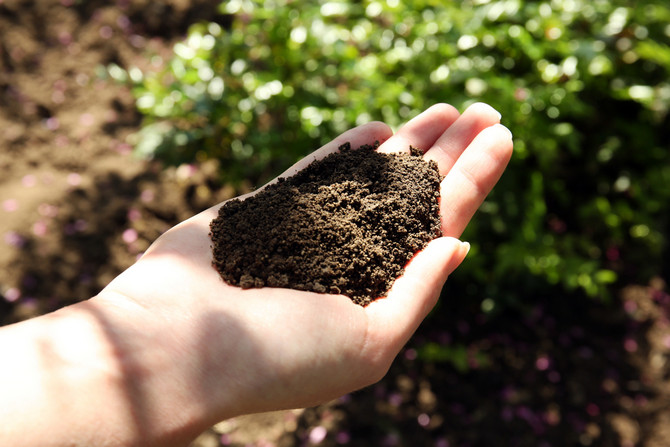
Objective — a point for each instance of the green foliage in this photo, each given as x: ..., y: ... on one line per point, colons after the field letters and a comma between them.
x: 582, y: 84
x: 459, y: 356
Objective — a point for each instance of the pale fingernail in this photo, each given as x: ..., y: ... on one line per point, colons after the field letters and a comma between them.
x: 498, y: 113
x: 486, y: 108
x: 506, y: 130
x: 466, y: 247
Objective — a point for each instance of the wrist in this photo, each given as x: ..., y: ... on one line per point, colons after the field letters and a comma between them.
x: 153, y: 378
x: 60, y: 376
x: 94, y: 373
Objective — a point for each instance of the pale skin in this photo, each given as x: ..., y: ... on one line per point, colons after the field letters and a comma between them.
x: 168, y: 349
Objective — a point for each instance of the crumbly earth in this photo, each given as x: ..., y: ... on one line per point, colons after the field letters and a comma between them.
x: 346, y: 224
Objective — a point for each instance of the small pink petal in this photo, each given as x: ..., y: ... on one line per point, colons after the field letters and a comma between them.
x: 80, y: 225
x: 123, y: 22
x: 47, y: 210
x: 411, y: 354
x: 29, y: 181
x: 630, y: 345
x: 12, y: 294
x: 65, y: 38
x: 82, y: 79
x: 129, y: 236
x: 10, y: 205
x: 14, y: 239
x: 147, y: 195
x: 60, y: 85
x: 86, y: 119
x: 318, y: 434
x: 630, y: 306
x: 53, y: 123
x: 106, y: 32
x: 62, y: 140
x: 542, y: 363
x: 123, y: 148
x: 57, y: 97
x: 40, y: 228
x: 134, y: 214
x: 137, y: 41
x: 74, y: 179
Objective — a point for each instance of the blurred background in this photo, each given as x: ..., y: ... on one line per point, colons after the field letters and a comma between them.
x: 121, y: 118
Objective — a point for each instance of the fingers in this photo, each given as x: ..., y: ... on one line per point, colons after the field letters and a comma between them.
x: 392, y: 320
x: 471, y: 150
x: 422, y: 131
x: 472, y: 176
x: 456, y: 137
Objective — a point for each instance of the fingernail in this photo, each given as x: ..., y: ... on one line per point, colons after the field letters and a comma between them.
x: 506, y: 130
x: 487, y: 108
x: 496, y: 112
x: 466, y: 247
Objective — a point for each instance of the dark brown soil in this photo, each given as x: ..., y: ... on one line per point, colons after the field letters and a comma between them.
x: 346, y: 224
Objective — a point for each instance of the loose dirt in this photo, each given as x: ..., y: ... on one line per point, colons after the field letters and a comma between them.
x: 347, y: 224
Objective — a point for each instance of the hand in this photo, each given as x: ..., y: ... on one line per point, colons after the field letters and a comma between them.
x: 168, y: 348
x: 252, y: 350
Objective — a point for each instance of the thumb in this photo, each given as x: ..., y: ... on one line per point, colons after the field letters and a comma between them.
x: 416, y: 292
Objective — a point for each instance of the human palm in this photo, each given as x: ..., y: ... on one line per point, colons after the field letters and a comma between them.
x: 253, y: 350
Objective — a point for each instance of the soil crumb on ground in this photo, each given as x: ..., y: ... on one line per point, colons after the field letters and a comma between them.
x: 347, y: 224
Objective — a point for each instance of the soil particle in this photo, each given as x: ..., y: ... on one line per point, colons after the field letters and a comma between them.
x: 347, y: 224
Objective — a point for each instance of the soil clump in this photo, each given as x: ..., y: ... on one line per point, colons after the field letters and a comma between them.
x: 347, y: 224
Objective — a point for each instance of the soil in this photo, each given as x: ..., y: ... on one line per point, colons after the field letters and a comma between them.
x: 76, y: 209
x: 346, y: 224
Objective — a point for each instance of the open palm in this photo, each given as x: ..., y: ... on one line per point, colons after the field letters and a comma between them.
x: 242, y: 351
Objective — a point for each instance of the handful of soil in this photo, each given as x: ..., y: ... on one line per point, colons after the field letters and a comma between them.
x: 347, y: 224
